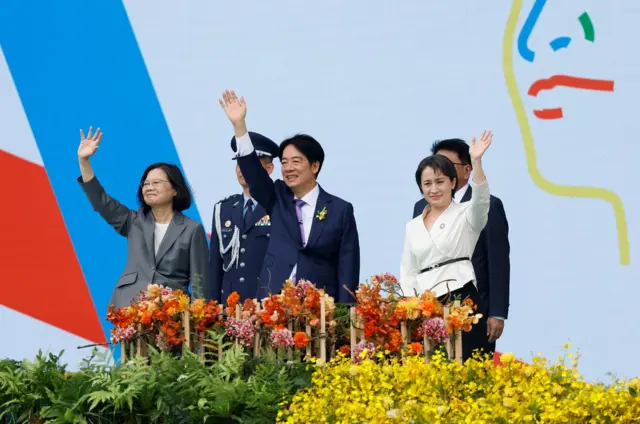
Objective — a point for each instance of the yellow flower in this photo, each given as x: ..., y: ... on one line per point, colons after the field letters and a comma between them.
x: 507, y: 358
x: 322, y: 214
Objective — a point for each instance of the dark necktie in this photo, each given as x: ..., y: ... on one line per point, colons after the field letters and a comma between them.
x: 247, y: 213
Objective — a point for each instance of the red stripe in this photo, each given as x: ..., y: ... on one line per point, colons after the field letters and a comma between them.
x: 41, y: 275
x: 571, y: 82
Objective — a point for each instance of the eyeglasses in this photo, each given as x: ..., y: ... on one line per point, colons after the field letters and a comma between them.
x: 155, y: 183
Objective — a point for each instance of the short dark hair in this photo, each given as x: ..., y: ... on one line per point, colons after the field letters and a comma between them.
x: 456, y: 145
x: 183, y: 198
x: 440, y: 164
x: 308, y: 146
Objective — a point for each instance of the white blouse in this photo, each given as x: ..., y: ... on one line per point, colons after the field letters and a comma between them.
x: 453, y: 235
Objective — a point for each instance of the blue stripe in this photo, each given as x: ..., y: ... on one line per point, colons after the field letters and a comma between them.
x: 523, y: 39
x: 77, y: 63
x: 560, y: 43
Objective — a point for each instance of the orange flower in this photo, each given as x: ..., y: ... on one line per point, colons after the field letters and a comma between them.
x: 469, y: 302
x: 345, y: 349
x: 273, y: 314
x: 301, y: 339
x: 204, y: 315
x: 291, y: 300
x: 232, y: 301
x: 415, y: 348
x: 171, y: 307
x: 123, y: 317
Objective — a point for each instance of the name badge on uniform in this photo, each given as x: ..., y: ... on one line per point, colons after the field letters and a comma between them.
x: 265, y: 221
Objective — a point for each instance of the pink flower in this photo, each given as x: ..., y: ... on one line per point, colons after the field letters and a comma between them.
x: 166, y: 293
x: 122, y: 334
x: 435, y: 330
x: 302, y: 286
x: 241, y: 329
x: 281, y: 338
x: 360, y: 348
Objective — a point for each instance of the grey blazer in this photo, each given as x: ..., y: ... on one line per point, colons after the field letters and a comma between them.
x: 182, y: 257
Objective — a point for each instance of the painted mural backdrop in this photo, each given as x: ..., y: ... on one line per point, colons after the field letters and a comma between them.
x: 376, y: 83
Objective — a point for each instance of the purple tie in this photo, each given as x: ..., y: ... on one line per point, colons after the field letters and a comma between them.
x: 299, y: 204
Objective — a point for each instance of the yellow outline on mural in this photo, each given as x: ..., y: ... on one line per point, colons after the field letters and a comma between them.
x: 529, y: 148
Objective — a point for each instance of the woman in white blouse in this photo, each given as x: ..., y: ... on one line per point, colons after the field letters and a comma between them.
x: 439, y: 244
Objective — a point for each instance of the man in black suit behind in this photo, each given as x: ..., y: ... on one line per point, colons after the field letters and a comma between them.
x: 491, y: 255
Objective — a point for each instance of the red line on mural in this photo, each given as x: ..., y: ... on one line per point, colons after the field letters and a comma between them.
x: 555, y: 113
x: 41, y: 277
x: 571, y: 82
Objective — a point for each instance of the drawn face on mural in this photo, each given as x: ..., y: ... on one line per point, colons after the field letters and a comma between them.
x: 566, y: 79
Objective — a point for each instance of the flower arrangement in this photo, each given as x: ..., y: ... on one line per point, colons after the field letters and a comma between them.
x: 394, y: 321
x: 165, y: 318
x: 157, y: 317
x: 301, y: 316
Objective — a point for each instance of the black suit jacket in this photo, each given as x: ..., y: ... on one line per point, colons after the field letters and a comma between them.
x: 490, y: 258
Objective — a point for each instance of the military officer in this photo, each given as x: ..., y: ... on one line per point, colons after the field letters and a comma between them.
x: 240, y: 234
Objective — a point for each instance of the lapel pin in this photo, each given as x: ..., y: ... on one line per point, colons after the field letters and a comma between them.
x: 227, y: 224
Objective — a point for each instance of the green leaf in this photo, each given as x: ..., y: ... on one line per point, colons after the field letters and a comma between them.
x: 201, y: 403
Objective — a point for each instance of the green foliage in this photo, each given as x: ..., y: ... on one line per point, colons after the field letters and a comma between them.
x: 162, y: 388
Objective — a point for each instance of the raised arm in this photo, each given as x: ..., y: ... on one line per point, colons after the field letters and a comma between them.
x: 478, y: 212
x: 116, y: 214
x: 261, y: 185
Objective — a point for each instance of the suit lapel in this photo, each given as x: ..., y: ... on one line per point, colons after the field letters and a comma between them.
x: 176, y: 227
x: 292, y: 220
x: 148, y: 229
x: 318, y: 225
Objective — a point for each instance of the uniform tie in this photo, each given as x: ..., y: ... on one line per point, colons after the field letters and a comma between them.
x: 247, y: 213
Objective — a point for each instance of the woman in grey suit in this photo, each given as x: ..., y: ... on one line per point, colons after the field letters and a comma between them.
x: 164, y: 246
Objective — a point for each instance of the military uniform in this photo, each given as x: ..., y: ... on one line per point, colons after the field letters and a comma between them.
x: 239, y: 238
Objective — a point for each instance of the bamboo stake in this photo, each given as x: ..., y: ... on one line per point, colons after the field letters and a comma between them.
x: 360, y: 324
x: 139, y: 342
x: 238, y: 316
x: 123, y: 351
x: 323, y: 329
x: 289, y: 350
x: 447, y: 343
x: 403, y: 332
x: 308, y: 330
x: 186, y: 324
x: 220, y: 317
x: 458, y: 341
x: 353, y: 333
x: 426, y: 346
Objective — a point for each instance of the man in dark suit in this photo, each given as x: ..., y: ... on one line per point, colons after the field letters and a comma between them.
x: 313, y: 233
x: 240, y: 233
x: 491, y: 255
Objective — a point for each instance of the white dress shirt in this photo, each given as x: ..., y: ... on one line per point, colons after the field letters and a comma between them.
x: 454, y: 234
x: 459, y: 194
x: 158, y: 234
x: 245, y: 148
x: 310, y: 201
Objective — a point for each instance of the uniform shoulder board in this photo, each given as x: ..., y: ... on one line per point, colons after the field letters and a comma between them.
x: 233, y: 196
